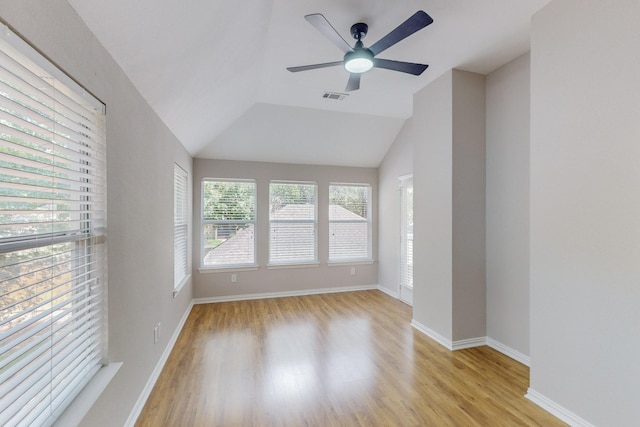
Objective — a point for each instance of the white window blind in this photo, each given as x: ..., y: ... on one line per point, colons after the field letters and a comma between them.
x: 292, y: 222
x: 52, y: 225
x: 228, y: 223
x: 406, y: 253
x: 349, y: 222
x: 180, y: 225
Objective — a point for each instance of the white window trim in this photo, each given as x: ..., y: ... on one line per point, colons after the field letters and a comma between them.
x: 203, y: 222
x: 224, y: 269
x: 75, y: 401
x: 405, y: 181
x: 180, y: 173
x: 369, y: 257
x: 292, y: 263
x: 347, y: 263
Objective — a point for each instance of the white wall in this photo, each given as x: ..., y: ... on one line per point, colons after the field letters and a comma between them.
x: 140, y: 155
x: 397, y: 162
x: 585, y: 209
x: 507, y: 205
x: 283, y: 280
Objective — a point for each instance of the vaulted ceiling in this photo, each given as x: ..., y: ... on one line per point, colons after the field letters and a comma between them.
x: 215, y: 71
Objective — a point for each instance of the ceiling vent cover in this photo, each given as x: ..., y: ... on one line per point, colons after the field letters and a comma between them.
x: 335, y: 95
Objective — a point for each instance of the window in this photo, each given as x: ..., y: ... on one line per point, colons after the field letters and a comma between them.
x: 52, y: 225
x: 406, y: 239
x: 292, y: 223
x: 349, y: 222
x: 228, y: 223
x: 180, y: 225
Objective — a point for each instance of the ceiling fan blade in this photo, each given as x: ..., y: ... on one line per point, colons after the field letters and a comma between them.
x: 404, y: 67
x: 353, y: 83
x: 314, y: 66
x: 416, y: 22
x: 320, y: 22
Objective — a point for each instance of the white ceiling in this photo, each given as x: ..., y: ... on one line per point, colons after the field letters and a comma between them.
x: 215, y: 71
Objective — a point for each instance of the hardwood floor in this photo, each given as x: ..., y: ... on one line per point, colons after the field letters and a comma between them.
x: 347, y: 359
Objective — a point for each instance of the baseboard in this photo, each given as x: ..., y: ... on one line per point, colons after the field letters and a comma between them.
x: 451, y: 345
x: 557, y: 410
x: 432, y: 334
x: 389, y: 292
x: 137, y: 409
x: 469, y: 343
x: 508, y: 351
x: 245, y: 297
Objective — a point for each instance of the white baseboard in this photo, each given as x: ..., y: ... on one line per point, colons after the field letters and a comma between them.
x: 451, y: 345
x: 469, y: 343
x: 557, y: 410
x: 508, y: 351
x: 389, y: 292
x: 472, y: 342
x: 142, y: 399
x: 432, y: 334
x: 244, y: 297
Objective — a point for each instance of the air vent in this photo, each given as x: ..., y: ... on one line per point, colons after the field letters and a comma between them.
x: 335, y: 95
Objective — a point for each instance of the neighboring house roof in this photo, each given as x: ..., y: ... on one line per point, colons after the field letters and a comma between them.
x: 237, y: 249
x: 295, y: 212
x: 346, y: 240
x: 339, y: 213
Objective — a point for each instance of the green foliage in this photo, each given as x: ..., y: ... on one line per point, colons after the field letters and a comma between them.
x: 33, y: 191
x: 282, y: 194
x: 229, y: 201
x: 351, y: 197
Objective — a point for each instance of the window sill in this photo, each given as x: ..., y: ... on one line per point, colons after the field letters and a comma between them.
x: 81, y: 405
x: 226, y: 269
x: 183, y: 282
x: 349, y: 262
x: 301, y: 265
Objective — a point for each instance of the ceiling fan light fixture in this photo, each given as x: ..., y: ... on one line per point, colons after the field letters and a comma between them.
x: 359, y: 61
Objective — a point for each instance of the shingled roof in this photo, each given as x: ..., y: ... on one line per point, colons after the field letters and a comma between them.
x: 347, y: 240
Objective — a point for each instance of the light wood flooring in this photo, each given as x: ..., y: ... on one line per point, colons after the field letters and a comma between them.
x: 345, y: 359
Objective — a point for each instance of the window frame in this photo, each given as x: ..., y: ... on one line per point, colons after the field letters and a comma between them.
x: 75, y: 313
x: 406, y: 230
x: 368, y: 220
x: 287, y: 263
x: 180, y: 227
x: 203, y: 223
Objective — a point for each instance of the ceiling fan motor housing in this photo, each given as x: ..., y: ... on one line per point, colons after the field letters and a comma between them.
x: 359, y: 30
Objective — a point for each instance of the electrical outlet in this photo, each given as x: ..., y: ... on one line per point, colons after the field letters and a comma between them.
x: 156, y: 334
x: 353, y: 271
x: 234, y: 278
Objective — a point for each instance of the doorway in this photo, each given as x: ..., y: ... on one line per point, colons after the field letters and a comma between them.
x: 406, y: 239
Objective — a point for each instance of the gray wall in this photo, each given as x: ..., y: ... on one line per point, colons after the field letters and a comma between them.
x: 585, y: 208
x: 507, y: 205
x: 282, y: 280
x: 468, y: 188
x: 140, y: 154
x: 432, y: 206
x: 449, y: 209
x: 507, y: 200
x: 397, y: 162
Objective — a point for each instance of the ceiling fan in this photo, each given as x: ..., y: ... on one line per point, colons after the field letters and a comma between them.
x: 360, y: 59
